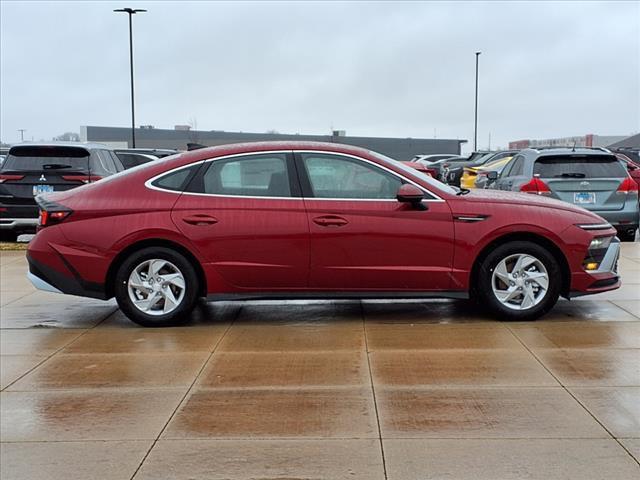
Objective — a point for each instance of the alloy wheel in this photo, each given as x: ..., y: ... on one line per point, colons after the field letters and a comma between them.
x: 520, y: 281
x: 156, y: 287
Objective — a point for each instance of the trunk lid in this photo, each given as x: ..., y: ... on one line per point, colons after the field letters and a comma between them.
x: 589, y: 181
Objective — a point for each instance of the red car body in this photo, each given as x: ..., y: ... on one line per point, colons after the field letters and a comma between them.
x: 632, y: 167
x: 246, y: 247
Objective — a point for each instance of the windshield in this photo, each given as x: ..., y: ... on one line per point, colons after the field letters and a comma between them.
x: 412, y: 171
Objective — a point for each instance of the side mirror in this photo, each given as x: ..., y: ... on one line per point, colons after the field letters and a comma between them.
x: 492, y: 175
x: 408, y: 193
x: 631, y: 167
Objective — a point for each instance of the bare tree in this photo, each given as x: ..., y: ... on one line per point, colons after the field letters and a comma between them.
x: 67, y: 137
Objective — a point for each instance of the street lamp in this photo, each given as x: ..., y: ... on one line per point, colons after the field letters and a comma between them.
x: 475, y: 125
x: 131, y: 11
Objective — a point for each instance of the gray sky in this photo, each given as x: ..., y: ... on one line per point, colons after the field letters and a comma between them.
x: 371, y: 68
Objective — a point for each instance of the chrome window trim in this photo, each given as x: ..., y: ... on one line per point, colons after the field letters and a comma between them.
x: 148, y: 183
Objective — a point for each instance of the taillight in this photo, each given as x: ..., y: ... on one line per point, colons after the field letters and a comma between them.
x: 4, y: 178
x: 81, y: 178
x: 628, y: 185
x: 536, y: 186
x: 51, y: 213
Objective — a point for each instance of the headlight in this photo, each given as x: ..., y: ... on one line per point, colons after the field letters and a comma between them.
x: 600, y: 242
x: 596, y: 252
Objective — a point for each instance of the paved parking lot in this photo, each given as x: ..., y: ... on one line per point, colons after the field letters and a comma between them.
x: 319, y: 390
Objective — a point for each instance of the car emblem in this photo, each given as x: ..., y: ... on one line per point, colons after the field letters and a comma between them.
x: 43, y: 178
x: 585, y: 183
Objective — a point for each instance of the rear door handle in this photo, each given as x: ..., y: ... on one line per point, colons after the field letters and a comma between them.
x: 330, y: 221
x: 200, y: 219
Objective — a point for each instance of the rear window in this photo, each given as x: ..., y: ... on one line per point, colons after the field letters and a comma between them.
x: 42, y: 158
x: 579, y: 166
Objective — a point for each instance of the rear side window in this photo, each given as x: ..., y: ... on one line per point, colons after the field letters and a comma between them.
x: 177, y: 180
x: 30, y: 158
x: 106, y: 161
x: 514, y: 167
x: 253, y: 176
x: 579, y: 166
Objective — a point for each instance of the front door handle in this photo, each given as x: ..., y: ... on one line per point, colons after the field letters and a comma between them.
x: 200, y: 219
x: 330, y: 221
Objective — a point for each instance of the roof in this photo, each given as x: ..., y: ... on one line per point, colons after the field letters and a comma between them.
x: 568, y: 150
x: 630, y: 142
x: 276, y: 145
x: 87, y: 145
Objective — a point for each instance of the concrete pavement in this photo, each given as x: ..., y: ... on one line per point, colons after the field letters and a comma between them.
x: 319, y: 390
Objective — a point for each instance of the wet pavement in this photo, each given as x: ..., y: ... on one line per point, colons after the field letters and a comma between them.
x: 319, y: 390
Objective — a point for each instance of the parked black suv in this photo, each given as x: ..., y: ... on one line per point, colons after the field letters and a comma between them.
x: 30, y: 169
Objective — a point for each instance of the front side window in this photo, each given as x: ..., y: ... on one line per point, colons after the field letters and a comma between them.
x: 263, y: 175
x: 342, y: 177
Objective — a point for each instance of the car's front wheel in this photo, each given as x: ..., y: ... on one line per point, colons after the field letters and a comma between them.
x: 519, y: 281
x: 156, y: 287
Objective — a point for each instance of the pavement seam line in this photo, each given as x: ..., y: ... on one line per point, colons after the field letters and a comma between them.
x: 373, y: 390
x: 566, y: 389
x: 613, y: 302
x: 57, y: 351
x: 184, y: 397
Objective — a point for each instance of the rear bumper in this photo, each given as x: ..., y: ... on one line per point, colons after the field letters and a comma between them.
x: 628, y: 217
x: 43, y: 277
x: 19, y: 218
x: 19, y: 224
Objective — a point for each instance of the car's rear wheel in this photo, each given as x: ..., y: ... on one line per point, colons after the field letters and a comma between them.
x: 156, y: 287
x: 519, y: 281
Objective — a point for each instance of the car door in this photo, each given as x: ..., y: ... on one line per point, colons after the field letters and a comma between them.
x: 246, y: 215
x: 511, y: 176
x: 362, y: 238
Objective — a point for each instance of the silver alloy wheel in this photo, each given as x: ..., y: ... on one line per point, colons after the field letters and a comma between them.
x: 520, y: 281
x: 156, y: 287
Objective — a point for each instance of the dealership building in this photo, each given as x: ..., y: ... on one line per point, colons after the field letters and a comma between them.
x: 177, y: 138
x: 589, y: 140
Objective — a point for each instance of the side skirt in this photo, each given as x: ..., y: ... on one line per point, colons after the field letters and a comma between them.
x: 336, y: 295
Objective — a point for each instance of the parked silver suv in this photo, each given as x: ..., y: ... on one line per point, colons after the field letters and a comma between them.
x: 591, y: 178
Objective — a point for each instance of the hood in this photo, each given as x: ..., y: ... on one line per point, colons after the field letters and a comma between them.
x: 498, y: 196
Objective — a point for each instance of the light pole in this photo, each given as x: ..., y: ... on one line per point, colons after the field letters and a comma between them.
x: 131, y: 12
x: 475, y: 123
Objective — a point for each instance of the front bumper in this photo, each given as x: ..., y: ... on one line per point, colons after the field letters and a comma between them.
x: 603, y: 279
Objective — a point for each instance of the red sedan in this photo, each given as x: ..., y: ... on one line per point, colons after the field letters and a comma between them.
x: 309, y: 220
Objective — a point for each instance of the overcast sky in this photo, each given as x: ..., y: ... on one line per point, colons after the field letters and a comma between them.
x: 391, y: 69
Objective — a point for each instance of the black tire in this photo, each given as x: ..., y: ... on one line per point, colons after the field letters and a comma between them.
x: 484, y: 288
x: 627, y: 236
x: 8, y: 236
x: 181, y: 314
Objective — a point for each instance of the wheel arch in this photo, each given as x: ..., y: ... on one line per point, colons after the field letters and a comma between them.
x: 154, y: 242
x: 529, y: 237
